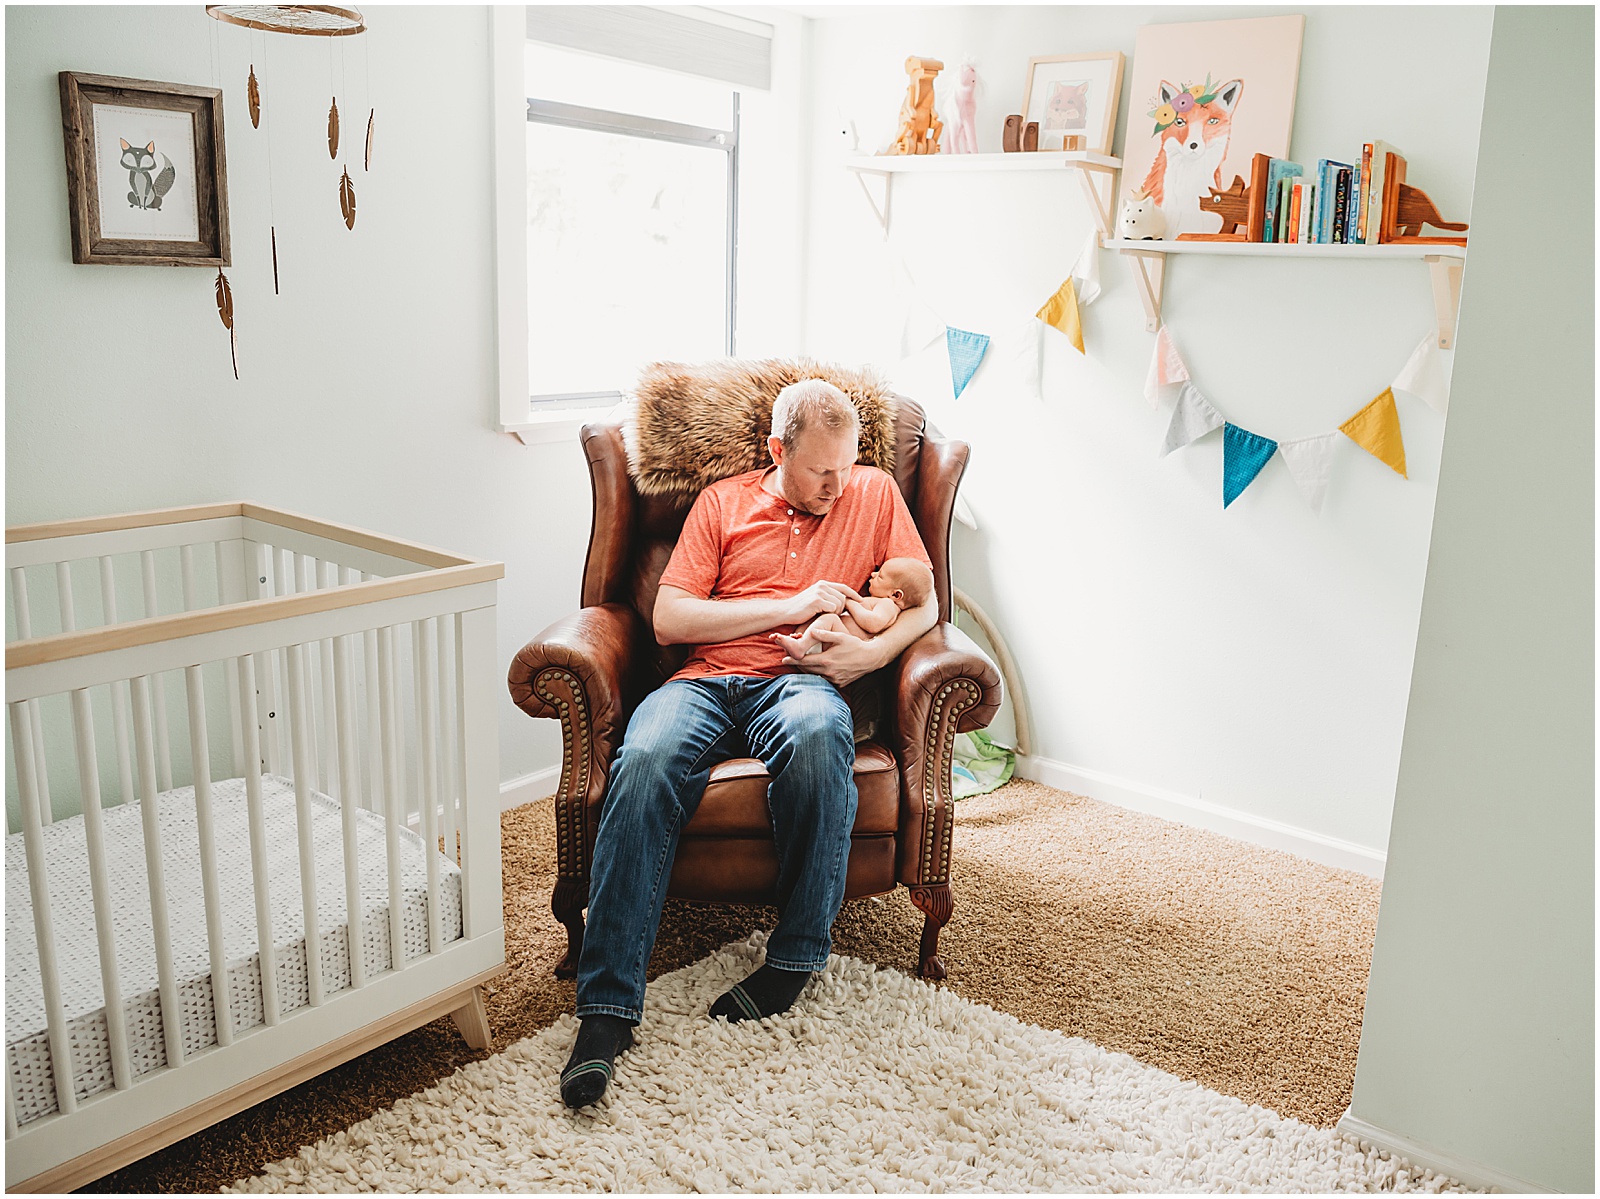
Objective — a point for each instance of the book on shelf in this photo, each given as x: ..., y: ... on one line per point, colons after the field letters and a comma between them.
x: 1372, y: 201
x: 1363, y: 185
x: 1291, y: 213
x: 1308, y: 205
x: 1278, y: 169
x: 1327, y: 199
x: 1341, y: 204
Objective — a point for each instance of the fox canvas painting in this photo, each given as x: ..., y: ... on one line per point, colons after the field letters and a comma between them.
x: 1216, y: 93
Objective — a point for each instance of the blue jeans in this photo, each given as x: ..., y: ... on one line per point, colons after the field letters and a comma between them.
x: 800, y: 727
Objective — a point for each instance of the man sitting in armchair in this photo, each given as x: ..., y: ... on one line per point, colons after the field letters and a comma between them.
x: 760, y: 552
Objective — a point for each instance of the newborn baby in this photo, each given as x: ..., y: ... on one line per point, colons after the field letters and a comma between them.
x: 898, y: 584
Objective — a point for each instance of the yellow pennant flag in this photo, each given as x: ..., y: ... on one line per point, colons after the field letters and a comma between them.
x: 1061, y: 312
x: 1376, y: 429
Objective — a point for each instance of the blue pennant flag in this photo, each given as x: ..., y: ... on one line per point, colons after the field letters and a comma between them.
x: 1243, y: 455
x: 966, y: 351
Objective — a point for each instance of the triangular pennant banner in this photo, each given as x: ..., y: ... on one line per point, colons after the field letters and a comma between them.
x: 1423, y: 375
x: 1166, y: 367
x: 1310, y: 460
x: 966, y: 351
x: 921, y: 329
x: 1193, y: 416
x: 1086, y: 271
x: 1376, y: 429
x: 1027, y: 344
x: 1061, y: 312
x: 1243, y: 455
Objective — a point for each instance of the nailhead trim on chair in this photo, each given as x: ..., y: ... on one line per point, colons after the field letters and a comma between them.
x: 573, y: 790
x: 940, y: 748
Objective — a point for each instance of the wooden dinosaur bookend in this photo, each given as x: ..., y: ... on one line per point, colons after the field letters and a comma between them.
x: 920, y: 126
x: 1233, y: 206
x: 1407, y: 209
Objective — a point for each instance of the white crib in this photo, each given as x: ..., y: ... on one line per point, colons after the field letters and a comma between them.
x: 293, y: 745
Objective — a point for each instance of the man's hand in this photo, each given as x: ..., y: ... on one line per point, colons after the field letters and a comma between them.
x: 819, y: 598
x: 843, y: 659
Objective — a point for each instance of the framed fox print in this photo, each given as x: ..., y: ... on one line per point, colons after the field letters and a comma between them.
x: 1074, y: 95
x: 1205, y: 98
x: 146, y: 172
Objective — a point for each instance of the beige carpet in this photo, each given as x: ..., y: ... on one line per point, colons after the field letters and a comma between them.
x: 1240, y: 968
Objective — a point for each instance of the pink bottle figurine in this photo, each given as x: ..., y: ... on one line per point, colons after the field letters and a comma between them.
x: 963, y: 130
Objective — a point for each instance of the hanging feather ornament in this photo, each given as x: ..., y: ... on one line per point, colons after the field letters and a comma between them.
x: 371, y: 116
x: 225, y: 311
x: 253, y: 94
x: 274, y: 260
x: 333, y: 129
x: 347, y: 200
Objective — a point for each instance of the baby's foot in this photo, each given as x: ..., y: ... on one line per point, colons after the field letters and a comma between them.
x: 795, y: 647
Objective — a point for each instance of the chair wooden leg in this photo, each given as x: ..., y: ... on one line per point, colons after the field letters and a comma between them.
x: 567, y: 903
x: 472, y: 1018
x: 936, y: 903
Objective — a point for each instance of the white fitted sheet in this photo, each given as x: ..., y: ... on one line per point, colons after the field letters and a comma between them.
x: 28, y: 1061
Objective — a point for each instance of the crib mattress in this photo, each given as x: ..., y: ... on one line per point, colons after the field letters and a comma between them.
x: 29, y: 1071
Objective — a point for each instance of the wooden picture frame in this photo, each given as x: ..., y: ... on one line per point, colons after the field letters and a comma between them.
x: 1074, y: 94
x: 146, y: 172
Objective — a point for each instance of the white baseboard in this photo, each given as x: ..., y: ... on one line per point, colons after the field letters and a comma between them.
x: 1198, y: 813
x: 1474, y: 1174
x: 528, y: 787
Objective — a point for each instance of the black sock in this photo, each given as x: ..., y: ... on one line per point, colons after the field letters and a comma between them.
x: 588, y: 1070
x: 765, y: 993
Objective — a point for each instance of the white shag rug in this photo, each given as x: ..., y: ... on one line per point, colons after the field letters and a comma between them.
x: 874, y: 1081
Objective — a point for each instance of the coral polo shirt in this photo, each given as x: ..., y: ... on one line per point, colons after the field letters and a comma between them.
x: 742, y: 542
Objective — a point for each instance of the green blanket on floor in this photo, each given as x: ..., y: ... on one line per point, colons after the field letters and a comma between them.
x: 979, y: 765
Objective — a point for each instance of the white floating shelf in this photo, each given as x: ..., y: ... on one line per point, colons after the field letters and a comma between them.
x: 1256, y: 249
x: 1149, y: 262
x: 1038, y: 160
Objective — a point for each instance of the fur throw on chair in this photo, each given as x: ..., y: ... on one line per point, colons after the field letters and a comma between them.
x: 688, y: 426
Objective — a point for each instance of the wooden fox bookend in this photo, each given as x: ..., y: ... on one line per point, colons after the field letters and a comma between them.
x: 1407, y: 209
x: 1233, y: 206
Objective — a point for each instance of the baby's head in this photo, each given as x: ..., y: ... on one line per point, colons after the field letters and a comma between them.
x: 904, y: 580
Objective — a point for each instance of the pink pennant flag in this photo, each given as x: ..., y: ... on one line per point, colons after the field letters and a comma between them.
x: 1166, y: 368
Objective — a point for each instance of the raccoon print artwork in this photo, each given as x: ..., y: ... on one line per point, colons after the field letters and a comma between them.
x: 148, y: 187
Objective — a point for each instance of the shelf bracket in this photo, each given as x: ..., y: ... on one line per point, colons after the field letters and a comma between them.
x: 880, y: 207
x: 1099, y: 204
x: 1446, y: 275
x: 1149, y: 274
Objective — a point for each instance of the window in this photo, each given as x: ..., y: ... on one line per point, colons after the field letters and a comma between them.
x: 632, y: 222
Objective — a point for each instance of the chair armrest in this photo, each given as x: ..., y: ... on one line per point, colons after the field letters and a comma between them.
x: 943, y: 684
x: 587, y: 670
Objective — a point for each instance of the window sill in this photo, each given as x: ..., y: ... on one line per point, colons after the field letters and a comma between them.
x: 560, y: 425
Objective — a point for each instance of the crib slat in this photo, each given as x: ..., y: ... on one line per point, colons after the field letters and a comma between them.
x: 330, y: 716
x: 11, y: 1115
x: 394, y: 812
x: 348, y: 752
x: 69, y: 617
x: 191, y: 597
x: 147, y: 568
x: 200, y: 757
x: 230, y: 574
x: 43, y: 925
x: 265, y: 667
x: 266, y: 950
x: 171, y: 1012
x: 118, y: 690
x: 374, y: 741
x: 423, y: 646
x: 298, y: 723
x: 448, y: 745
x: 457, y: 734
x: 19, y: 607
x: 100, y: 889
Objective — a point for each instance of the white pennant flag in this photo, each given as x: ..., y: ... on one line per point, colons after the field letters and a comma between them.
x: 1310, y: 460
x: 1193, y: 416
x: 1086, y: 271
x: 1025, y: 345
x: 921, y: 329
x: 1423, y: 375
x: 1166, y: 368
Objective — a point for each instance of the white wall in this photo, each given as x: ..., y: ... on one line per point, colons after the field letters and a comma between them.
x: 368, y: 389
x: 1477, y: 1046
x: 1254, y: 661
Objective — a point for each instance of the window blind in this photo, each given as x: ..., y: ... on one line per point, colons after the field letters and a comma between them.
x: 717, y: 46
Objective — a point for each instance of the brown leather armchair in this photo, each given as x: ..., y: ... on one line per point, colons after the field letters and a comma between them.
x: 591, y: 669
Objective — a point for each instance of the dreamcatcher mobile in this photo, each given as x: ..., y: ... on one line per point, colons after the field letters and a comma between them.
x: 302, y: 20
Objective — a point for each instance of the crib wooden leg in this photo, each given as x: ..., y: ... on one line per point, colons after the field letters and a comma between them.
x: 472, y: 1018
